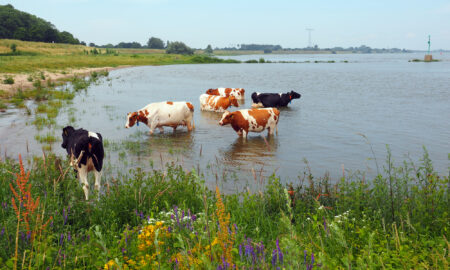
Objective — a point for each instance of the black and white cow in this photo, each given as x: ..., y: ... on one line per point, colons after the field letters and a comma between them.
x: 87, y: 147
x: 273, y: 100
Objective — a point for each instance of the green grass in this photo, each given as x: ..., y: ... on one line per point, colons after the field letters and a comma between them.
x: 399, y: 219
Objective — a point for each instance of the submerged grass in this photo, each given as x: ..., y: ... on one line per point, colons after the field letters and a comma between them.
x: 169, y: 219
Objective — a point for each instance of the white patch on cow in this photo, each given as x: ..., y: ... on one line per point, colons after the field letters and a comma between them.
x: 252, y: 124
x: 158, y: 117
x: 93, y: 134
x: 280, y: 94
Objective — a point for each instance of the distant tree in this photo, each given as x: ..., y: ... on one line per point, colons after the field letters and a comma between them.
x: 92, y: 44
x: 155, y: 43
x: 128, y: 45
x: 209, y: 49
x: 178, y: 47
x: 13, y: 48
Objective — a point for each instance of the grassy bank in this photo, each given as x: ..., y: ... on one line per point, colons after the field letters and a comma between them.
x: 37, y: 61
x: 169, y: 220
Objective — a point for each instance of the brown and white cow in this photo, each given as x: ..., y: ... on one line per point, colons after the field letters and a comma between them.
x: 252, y: 120
x: 226, y: 92
x: 163, y: 114
x: 216, y: 103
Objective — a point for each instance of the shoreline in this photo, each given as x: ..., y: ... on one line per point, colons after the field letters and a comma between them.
x: 22, y: 80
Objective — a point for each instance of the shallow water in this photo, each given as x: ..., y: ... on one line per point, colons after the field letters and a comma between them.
x: 384, y: 97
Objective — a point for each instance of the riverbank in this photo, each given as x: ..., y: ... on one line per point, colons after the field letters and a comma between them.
x: 168, y: 219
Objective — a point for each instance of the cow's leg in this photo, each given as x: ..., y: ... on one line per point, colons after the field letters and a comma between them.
x: 98, y: 179
x: 152, y: 127
x: 174, y: 128
x: 276, y: 127
x: 188, y: 124
x: 161, y: 129
x: 82, y: 175
x: 244, y: 134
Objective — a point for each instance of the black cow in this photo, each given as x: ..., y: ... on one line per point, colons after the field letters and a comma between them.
x: 88, y: 145
x: 273, y: 100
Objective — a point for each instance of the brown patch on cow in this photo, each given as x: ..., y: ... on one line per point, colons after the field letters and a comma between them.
x: 214, y: 92
x: 242, y: 91
x: 219, y: 102
x: 238, y: 122
x: 234, y: 101
x: 261, y: 116
x: 170, y: 102
x: 90, y: 165
x: 142, y: 118
x: 146, y: 112
x: 277, y: 114
x: 132, y: 118
x: 190, y: 106
x: 228, y: 91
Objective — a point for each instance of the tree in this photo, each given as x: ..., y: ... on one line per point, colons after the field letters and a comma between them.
x: 178, y: 47
x: 209, y: 49
x: 155, y: 43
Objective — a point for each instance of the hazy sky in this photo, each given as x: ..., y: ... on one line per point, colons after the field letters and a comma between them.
x: 379, y: 24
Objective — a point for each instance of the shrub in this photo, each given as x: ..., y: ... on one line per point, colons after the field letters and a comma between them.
x: 8, y: 80
x: 178, y: 47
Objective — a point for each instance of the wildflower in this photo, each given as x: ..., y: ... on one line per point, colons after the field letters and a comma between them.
x: 240, y: 249
x: 2, y: 232
x: 274, y: 257
x: 61, y: 239
x: 69, y: 237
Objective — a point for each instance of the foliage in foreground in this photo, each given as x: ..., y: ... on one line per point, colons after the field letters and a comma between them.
x: 169, y: 220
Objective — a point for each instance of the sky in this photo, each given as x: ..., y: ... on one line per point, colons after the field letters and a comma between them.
x: 378, y: 24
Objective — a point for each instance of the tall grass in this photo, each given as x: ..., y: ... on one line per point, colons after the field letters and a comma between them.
x: 169, y: 219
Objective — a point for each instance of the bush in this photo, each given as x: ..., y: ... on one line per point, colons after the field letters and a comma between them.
x: 178, y: 47
x: 8, y: 80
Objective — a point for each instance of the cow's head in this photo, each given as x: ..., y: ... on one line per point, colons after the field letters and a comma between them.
x: 132, y: 118
x: 234, y: 101
x: 226, y: 118
x: 211, y: 91
x: 67, y: 132
x: 255, y: 98
x: 294, y: 95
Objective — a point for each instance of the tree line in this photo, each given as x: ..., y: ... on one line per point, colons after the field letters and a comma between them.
x: 16, y: 24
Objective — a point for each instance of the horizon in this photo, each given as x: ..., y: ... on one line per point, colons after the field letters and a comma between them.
x: 349, y: 24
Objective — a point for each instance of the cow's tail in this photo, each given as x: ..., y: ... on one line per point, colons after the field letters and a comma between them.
x: 95, y: 152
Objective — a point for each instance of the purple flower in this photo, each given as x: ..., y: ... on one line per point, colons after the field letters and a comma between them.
x: 312, y: 258
x: 274, y: 257
x: 2, y: 232
x: 240, y: 250
x: 65, y: 215
x: 61, y: 239
x: 235, y: 227
x: 69, y: 237
x: 305, y: 253
x: 169, y: 229
x: 193, y: 217
x: 28, y: 236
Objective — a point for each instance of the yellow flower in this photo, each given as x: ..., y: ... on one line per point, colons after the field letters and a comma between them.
x: 110, y: 265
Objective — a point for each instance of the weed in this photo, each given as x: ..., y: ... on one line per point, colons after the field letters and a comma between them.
x: 8, y: 80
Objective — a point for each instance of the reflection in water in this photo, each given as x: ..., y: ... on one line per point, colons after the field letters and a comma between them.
x: 258, y: 150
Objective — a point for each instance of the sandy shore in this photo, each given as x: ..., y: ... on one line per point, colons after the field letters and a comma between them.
x: 21, y: 81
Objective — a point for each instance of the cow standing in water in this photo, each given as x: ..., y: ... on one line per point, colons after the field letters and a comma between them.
x: 238, y: 93
x: 217, y: 103
x: 85, y: 149
x: 273, y: 100
x: 252, y: 120
x: 163, y: 114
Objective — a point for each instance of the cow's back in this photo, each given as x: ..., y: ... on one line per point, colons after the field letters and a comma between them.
x: 260, y: 119
x: 170, y: 113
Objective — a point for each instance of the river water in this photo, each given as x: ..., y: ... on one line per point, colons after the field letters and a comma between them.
x: 383, y: 97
